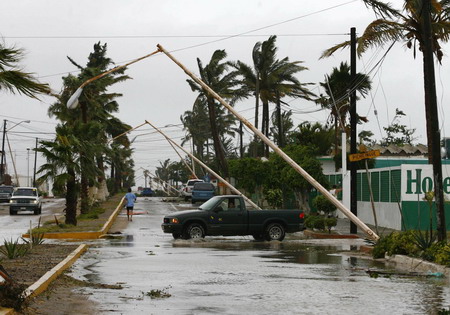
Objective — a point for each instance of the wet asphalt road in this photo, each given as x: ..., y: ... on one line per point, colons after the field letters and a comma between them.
x: 13, y: 226
x: 236, y: 275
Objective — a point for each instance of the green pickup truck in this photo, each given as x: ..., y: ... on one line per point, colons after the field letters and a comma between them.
x: 228, y: 216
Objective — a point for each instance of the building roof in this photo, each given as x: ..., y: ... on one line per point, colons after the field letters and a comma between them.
x: 405, y: 150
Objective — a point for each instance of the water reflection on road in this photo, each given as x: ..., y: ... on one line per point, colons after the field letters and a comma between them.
x: 237, y: 275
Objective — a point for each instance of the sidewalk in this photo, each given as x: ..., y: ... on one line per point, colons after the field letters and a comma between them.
x: 343, y: 227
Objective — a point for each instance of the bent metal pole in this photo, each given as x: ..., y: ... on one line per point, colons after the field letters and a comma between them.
x: 210, y: 170
x: 280, y: 152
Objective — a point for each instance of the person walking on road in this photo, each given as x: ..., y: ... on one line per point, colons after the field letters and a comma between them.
x: 131, y: 199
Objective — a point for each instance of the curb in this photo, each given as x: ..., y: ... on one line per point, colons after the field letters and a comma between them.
x: 329, y: 236
x: 418, y: 265
x: 42, y: 284
x: 85, y: 235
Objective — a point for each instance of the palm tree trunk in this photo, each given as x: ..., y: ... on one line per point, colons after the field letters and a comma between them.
x: 103, y: 189
x: 336, y: 144
x: 84, y: 194
x: 265, y: 126
x: 433, y: 120
x: 215, y: 134
x: 71, y: 199
x: 280, y: 125
x: 257, y: 101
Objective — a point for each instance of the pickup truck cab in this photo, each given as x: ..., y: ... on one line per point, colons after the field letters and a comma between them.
x: 228, y: 216
x: 187, y: 190
x: 5, y: 193
x: 25, y: 199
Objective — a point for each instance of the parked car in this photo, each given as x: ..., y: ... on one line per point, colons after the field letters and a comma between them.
x: 227, y: 215
x: 147, y: 192
x: 5, y: 193
x: 25, y: 199
x: 187, y: 190
x: 202, y: 191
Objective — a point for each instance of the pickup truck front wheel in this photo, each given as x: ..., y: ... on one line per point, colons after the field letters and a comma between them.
x: 275, y: 232
x: 194, y: 231
x: 259, y: 237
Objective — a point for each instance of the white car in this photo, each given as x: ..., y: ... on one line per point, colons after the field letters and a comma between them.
x: 187, y: 190
x: 25, y: 199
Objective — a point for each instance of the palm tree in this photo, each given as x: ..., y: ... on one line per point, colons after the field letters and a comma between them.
x: 216, y: 76
x: 196, y: 124
x: 422, y: 23
x: 63, y: 166
x: 96, y: 107
x: 406, y: 26
x: 271, y: 79
x: 286, y: 127
x: 338, y: 86
x: 13, y: 79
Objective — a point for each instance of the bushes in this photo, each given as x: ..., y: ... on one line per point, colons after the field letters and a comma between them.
x: 414, y: 244
x: 321, y: 223
x: 322, y: 204
x: 401, y: 243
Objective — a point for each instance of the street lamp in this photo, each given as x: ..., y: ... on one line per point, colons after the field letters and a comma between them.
x: 3, y: 159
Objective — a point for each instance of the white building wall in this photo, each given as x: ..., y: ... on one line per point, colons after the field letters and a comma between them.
x: 388, y: 214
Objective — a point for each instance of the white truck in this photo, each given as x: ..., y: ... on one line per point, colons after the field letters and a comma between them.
x: 25, y: 199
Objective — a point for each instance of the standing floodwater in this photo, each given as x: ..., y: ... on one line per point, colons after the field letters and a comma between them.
x: 236, y: 275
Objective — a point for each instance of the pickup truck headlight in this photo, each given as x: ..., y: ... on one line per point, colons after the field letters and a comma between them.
x: 35, y: 201
x: 174, y: 220
x: 11, y: 201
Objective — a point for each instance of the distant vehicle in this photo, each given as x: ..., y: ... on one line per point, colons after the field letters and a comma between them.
x: 227, y: 215
x: 147, y: 192
x: 187, y: 190
x: 202, y: 192
x: 25, y: 199
x: 6, y: 193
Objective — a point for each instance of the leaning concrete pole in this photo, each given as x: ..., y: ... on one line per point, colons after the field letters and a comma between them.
x: 164, y: 182
x: 371, y: 234
x: 210, y: 170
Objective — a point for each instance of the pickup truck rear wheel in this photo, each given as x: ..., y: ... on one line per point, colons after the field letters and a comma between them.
x: 194, y: 231
x: 275, y: 232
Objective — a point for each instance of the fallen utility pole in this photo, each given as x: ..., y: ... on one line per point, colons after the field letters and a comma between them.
x: 185, y: 163
x: 371, y: 234
x: 164, y: 182
x: 210, y: 170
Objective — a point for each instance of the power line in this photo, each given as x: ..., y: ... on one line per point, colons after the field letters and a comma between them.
x: 170, y: 36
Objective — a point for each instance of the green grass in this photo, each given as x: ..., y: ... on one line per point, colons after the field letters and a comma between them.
x: 92, y: 221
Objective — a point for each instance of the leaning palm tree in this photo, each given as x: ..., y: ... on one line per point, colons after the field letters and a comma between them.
x: 271, y: 79
x: 405, y: 26
x: 216, y: 75
x: 423, y: 25
x: 14, y: 79
x: 96, y: 107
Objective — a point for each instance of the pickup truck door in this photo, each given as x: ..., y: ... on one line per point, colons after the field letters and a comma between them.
x: 229, y: 218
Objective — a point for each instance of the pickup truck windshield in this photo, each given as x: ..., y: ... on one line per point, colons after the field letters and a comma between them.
x: 25, y: 192
x: 6, y: 189
x: 210, y: 204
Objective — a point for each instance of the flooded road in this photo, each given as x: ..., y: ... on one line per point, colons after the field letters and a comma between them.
x: 236, y: 275
x: 13, y: 226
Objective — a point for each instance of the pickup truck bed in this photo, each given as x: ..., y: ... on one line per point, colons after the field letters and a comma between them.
x: 228, y: 216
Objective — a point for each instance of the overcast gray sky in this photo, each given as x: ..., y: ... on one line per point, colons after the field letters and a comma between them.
x: 51, y: 30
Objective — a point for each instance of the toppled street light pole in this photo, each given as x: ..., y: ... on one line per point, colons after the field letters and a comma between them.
x: 371, y: 234
x: 210, y: 170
